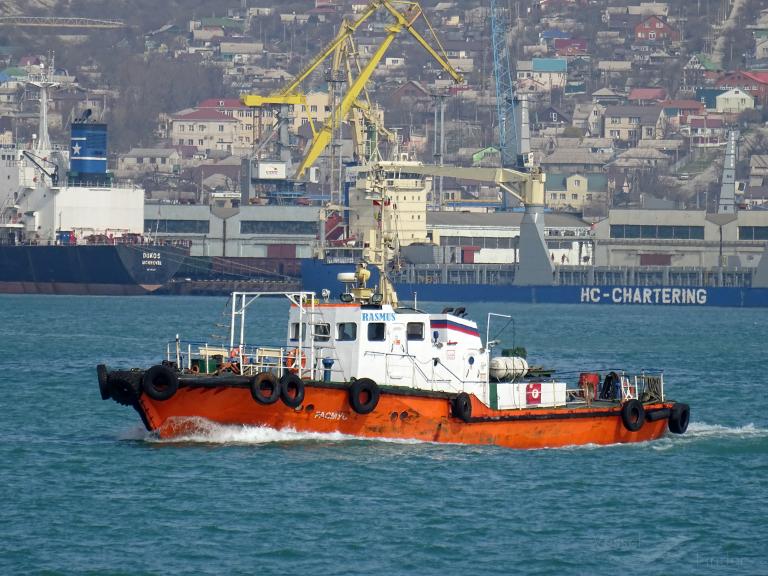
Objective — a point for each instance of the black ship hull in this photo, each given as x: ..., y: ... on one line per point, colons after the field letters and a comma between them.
x: 119, y: 269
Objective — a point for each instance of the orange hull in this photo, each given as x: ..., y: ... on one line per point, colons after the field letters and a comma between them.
x: 398, y: 415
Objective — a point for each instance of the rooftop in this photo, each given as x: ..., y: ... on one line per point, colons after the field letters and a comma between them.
x: 500, y: 219
x: 549, y: 64
x: 204, y: 114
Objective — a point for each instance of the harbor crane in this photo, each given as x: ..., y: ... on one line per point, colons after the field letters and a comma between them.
x: 404, y: 19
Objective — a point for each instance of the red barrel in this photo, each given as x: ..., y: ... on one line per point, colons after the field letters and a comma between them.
x: 589, y: 382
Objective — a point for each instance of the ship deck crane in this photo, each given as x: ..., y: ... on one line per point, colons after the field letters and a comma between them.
x: 402, y: 21
x: 40, y: 162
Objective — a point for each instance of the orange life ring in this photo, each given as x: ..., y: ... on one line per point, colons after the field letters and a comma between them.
x: 234, y: 353
x: 195, y: 369
x: 291, y: 362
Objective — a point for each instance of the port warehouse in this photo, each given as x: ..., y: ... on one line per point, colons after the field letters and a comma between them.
x: 676, y: 238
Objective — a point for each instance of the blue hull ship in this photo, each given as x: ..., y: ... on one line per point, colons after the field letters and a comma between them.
x: 317, y: 275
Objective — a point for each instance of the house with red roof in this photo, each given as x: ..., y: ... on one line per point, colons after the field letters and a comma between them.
x: 656, y: 30
x: 705, y: 131
x: 227, y: 124
x: 646, y: 96
x: 206, y: 129
x: 754, y: 83
x: 676, y: 112
x: 570, y: 47
x: 31, y: 60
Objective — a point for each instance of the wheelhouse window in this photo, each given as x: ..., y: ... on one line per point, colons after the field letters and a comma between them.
x: 415, y: 331
x: 376, y: 331
x: 295, y: 330
x: 322, y: 332
x: 346, y: 331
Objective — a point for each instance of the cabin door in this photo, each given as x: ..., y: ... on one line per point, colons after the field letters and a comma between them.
x: 399, y: 364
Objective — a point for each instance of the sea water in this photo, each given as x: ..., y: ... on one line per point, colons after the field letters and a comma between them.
x: 85, y: 490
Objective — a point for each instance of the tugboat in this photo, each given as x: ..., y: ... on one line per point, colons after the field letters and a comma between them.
x: 366, y: 366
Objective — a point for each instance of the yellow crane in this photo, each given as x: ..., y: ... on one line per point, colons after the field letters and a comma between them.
x: 365, y: 118
x: 289, y: 93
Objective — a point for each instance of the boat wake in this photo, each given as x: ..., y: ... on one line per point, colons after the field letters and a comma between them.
x: 704, y: 430
x: 202, y: 431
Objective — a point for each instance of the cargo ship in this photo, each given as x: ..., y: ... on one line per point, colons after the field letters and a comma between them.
x: 67, y: 226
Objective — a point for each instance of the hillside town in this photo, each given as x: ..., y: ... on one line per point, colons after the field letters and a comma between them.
x: 630, y: 107
x: 629, y: 102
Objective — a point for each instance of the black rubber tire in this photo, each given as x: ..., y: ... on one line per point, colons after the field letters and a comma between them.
x: 160, y: 382
x: 265, y: 382
x: 462, y: 407
x: 369, y: 390
x: 122, y: 391
x: 659, y: 414
x: 101, y: 372
x: 679, y: 418
x: 633, y: 415
x: 292, y: 390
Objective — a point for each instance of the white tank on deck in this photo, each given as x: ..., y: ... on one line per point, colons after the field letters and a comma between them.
x: 508, y: 367
x: 346, y: 277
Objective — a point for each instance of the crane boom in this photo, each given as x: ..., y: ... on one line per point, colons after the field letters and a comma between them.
x: 320, y: 141
x: 505, y: 90
x: 346, y: 31
x: 532, y: 182
x: 288, y: 94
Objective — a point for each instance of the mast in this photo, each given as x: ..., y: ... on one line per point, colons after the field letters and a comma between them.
x: 44, y: 82
x: 727, y: 201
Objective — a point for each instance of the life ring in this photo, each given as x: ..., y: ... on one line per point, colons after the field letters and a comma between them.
x: 633, y: 415
x: 364, y: 395
x: 160, y: 382
x: 292, y: 390
x: 679, y: 418
x: 292, y: 363
x: 265, y: 388
x: 462, y: 407
x: 195, y: 369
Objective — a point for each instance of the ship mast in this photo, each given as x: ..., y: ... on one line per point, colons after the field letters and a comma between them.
x: 378, y: 255
x: 44, y: 82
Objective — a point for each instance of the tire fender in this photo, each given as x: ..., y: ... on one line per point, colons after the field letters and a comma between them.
x: 265, y: 388
x: 292, y: 390
x: 370, y: 393
x: 633, y: 415
x: 679, y: 418
x: 462, y: 407
x: 160, y: 382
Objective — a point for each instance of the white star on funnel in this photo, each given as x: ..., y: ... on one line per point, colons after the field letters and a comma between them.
x: 76, y: 149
